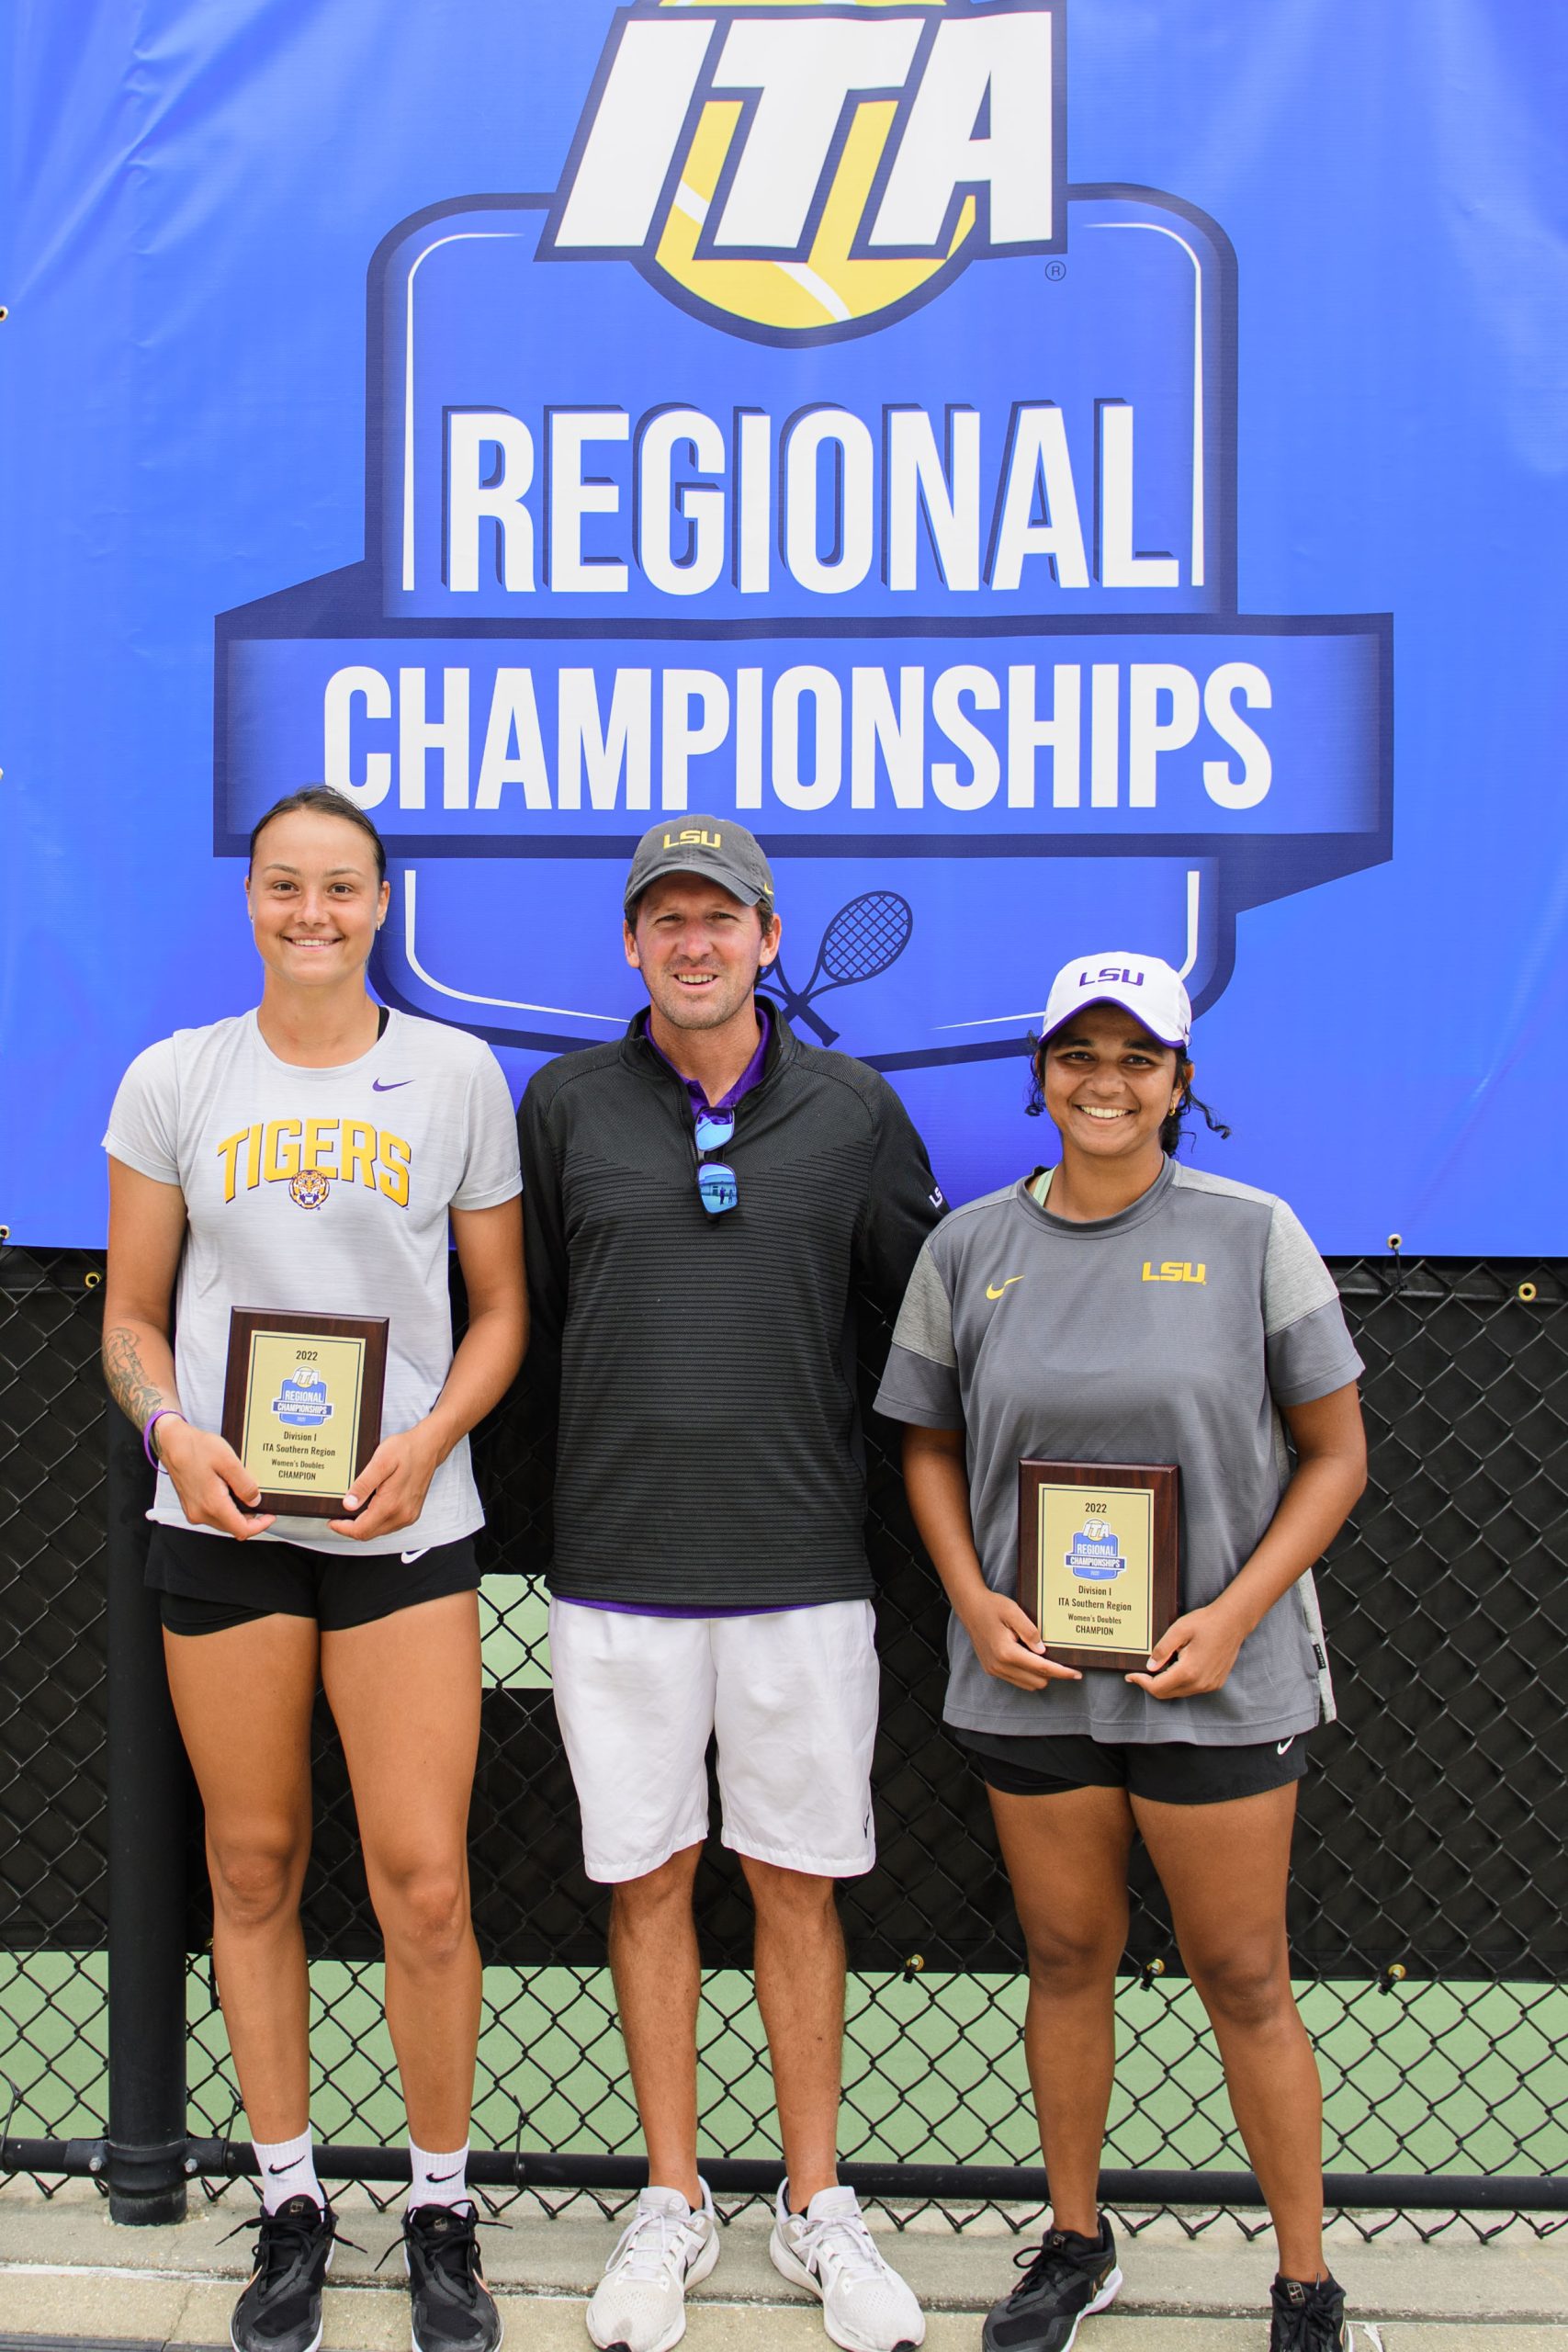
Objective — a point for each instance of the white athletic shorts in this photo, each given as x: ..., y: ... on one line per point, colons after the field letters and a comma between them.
x: 791, y: 1694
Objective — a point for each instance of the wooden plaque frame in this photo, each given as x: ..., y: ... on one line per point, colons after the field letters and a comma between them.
x: 1162, y: 1482
x: 245, y: 1324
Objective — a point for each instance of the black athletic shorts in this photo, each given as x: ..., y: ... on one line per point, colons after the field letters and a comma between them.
x: 1167, y: 1771
x: 206, y: 1583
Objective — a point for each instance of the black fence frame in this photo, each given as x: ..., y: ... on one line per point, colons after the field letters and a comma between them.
x: 146, y: 2159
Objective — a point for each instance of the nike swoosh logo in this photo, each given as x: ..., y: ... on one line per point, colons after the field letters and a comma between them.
x: 1280, y: 1745
x: 389, y: 1085
x: 1007, y: 1285
x: 440, y: 2178
x: 276, y: 2168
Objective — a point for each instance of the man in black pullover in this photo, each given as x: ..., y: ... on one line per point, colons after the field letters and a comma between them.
x: 703, y: 1200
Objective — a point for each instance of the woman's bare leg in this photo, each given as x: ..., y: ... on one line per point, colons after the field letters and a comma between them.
x: 405, y: 1694
x: 243, y: 1698
x: 1066, y: 1856
x: 1225, y: 1868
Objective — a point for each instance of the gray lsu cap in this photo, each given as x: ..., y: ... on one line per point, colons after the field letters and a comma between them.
x: 714, y: 847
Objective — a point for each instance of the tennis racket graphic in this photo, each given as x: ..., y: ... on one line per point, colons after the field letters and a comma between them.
x: 863, y: 939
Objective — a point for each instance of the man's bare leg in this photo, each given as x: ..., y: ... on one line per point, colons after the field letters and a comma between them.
x: 657, y: 1977
x: 799, y: 1969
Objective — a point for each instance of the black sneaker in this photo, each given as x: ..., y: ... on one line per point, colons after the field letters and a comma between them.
x: 1066, y: 2278
x: 280, y: 2311
x: 454, y: 2311
x: 1308, y: 2317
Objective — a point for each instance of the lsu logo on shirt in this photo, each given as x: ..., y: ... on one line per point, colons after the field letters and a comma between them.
x: 1175, y: 1270
x: 804, y: 170
x: 311, y: 1155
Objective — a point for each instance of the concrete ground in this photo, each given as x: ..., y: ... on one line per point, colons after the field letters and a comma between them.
x: 69, y: 2277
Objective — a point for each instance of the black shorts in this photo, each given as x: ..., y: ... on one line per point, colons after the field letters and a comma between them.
x: 206, y: 1583
x: 1167, y: 1771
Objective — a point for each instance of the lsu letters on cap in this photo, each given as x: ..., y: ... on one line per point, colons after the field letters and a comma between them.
x: 715, y: 847
x: 1144, y: 984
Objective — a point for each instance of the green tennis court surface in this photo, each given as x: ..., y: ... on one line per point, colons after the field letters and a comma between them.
x: 1464, y: 2077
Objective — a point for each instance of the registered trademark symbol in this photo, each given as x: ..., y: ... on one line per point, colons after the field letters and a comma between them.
x: 1055, y: 271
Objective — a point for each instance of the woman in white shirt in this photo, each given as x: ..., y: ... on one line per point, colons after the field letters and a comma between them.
x: 315, y: 1156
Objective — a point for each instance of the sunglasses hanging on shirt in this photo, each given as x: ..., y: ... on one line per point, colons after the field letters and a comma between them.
x: 716, y: 1186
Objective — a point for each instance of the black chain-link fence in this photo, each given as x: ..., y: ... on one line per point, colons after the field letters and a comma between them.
x: 1431, y: 1887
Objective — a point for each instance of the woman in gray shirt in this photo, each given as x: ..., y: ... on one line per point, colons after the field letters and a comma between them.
x: 1121, y: 1308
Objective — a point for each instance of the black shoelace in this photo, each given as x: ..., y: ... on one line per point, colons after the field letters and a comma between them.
x: 1054, y: 2251
x: 285, y: 2239
x: 1308, y: 2315
x: 452, y: 2250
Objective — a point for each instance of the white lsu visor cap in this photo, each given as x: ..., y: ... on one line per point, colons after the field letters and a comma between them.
x: 1144, y: 985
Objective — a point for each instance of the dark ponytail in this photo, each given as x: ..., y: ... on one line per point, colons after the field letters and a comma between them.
x: 1172, y: 1129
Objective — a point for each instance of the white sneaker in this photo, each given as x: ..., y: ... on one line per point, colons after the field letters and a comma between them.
x: 867, y: 2307
x: 639, y: 2305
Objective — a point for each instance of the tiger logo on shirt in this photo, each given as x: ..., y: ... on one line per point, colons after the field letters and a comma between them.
x: 309, y: 1188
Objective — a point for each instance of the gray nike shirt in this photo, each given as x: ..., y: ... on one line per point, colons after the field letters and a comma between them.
x: 1173, y: 1333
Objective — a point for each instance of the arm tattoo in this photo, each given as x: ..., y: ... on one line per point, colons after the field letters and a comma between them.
x: 137, y: 1396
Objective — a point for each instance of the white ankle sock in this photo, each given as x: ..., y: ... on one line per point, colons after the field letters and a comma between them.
x: 438, y: 2179
x: 288, y: 2168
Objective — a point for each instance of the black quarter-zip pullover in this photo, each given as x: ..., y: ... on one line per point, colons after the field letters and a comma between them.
x: 709, y: 1448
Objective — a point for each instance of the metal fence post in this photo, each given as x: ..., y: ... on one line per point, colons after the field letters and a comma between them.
x: 147, y: 1798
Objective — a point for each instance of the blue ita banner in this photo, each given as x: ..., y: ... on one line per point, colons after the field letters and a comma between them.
x: 1006, y: 463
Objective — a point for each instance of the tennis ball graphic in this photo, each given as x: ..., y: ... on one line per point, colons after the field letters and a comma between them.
x: 825, y: 289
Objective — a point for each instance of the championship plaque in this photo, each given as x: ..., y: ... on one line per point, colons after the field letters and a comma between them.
x: 302, y: 1405
x: 1097, y: 1558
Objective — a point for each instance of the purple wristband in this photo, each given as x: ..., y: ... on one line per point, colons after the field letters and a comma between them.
x: 162, y: 1414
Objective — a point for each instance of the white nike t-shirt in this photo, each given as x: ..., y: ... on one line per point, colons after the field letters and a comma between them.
x: 322, y: 1191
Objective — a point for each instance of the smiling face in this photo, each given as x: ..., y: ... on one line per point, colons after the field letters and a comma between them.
x: 699, y: 952
x: 315, y: 900
x: 1109, y: 1086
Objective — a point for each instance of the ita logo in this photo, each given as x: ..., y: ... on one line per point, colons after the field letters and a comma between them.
x: 810, y: 172
x: 817, y: 451
x: 301, y: 1402
x: 1096, y: 1555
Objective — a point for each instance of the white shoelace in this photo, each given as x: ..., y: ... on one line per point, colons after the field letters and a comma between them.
x: 652, y: 2246
x: 840, y: 2246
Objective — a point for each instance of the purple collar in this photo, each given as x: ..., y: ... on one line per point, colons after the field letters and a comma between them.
x: 743, y: 1084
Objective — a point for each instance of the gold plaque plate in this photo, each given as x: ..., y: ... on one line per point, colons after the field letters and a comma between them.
x: 302, y: 1405
x: 1097, y: 1558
